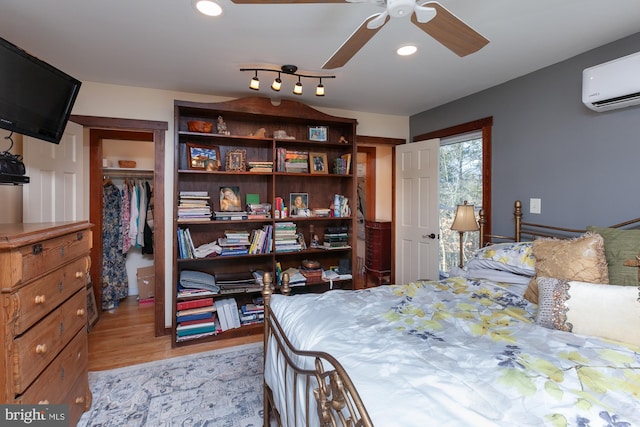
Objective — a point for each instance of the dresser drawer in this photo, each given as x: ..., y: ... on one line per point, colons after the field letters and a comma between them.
x: 31, y: 261
x: 53, y: 384
x: 32, y: 302
x: 37, y: 347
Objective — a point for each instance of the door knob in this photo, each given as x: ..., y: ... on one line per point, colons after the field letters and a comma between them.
x: 431, y: 236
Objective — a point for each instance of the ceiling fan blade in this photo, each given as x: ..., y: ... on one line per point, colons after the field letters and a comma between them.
x: 452, y: 32
x: 353, y: 44
x: 424, y: 14
x: 285, y: 1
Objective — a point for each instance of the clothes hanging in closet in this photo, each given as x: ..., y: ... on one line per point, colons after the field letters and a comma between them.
x: 115, y: 285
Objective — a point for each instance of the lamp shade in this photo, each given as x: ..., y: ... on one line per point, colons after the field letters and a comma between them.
x: 465, y: 219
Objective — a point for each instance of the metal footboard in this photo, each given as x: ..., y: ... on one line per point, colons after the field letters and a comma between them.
x: 316, y: 389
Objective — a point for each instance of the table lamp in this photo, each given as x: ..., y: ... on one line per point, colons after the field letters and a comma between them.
x: 465, y: 220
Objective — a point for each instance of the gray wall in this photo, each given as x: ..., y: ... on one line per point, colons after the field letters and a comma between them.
x: 585, y: 166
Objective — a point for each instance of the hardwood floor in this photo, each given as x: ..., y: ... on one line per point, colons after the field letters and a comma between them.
x: 125, y: 336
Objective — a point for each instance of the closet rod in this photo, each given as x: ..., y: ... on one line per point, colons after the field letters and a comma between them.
x: 121, y: 173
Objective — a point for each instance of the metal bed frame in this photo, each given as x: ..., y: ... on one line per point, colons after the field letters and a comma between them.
x: 328, y: 384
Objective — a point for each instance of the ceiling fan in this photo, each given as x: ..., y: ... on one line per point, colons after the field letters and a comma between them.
x: 431, y: 17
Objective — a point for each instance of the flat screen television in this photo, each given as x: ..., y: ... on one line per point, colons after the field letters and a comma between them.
x: 35, y: 98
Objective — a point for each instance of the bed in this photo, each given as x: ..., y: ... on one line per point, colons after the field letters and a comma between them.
x: 469, y: 350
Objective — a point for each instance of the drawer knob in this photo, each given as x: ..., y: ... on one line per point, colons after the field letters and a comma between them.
x: 41, y: 348
x: 80, y: 312
x: 79, y: 400
x: 43, y: 402
x: 40, y: 299
x: 79, y: 274
x: 36, y: 249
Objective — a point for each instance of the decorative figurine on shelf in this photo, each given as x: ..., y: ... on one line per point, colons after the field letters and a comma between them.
x: 260, y: 133
x: 343, y: 140
x: 222, y: 126
x: 315, y: 241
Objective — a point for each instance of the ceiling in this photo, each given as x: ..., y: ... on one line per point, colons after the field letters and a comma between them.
x: 165, y: 44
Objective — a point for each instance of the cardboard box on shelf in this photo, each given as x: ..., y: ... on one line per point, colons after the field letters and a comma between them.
x: 146, y: 282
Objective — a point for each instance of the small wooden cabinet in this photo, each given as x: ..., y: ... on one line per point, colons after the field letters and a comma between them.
x: 377, y: 252
x: 43, y: 323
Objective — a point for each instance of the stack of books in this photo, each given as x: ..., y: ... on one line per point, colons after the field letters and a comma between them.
x: 285, y: 237
x: 257, y: 166
x: 292, y: 160
x: 230, y: 215
x: 343, y: 165
x: 253, y: 312
x: 335, y: 238
x: 261, y: 240
x: 236, y: 242
x: 195, y: 319
x: 228, y: 316
x: 341, y: 206
x: 296, y: 278
x: 193, y: 206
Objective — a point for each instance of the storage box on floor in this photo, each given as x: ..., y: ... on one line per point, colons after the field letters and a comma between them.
x: 146, y: 284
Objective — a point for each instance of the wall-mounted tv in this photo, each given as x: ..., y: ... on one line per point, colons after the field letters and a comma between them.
x: 35, y: 98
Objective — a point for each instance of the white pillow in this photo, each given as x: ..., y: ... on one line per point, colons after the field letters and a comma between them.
x: 602, y: 310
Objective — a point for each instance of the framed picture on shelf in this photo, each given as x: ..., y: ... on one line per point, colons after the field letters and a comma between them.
x: 236, y: 161
x: 203, y: 157
x: 230, y: 199
x: 298, y: 201
x: 318, y: 163
x: 318, y: 133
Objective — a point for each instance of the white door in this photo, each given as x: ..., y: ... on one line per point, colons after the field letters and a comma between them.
x: 417, y: 222
x: 54, y: 192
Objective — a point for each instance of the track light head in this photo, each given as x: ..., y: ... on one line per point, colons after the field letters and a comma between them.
x: 297, y: 89
x: 255, y: 82
x: 320, y: 89
x: 277, y: 84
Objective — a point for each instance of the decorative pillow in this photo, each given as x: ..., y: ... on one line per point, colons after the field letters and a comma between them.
x: 620, y: 246
x: 602, y: 310
x: 581, y: 259
x: 513, y: 257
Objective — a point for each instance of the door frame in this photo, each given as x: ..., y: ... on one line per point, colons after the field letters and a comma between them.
x: 117, y: 128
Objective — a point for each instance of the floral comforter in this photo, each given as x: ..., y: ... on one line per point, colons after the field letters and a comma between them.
x: 463, y: 352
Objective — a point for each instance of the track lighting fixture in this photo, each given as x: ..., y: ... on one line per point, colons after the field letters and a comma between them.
x: 277, y: 84
x: 255, y: 82
x: 320, y: 89
x: 297, y: 89
x: 290, y: 70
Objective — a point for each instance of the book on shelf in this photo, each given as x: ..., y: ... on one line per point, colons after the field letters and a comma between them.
x: 209, y: 323
x: 196, y: 329
x: 197, y: 310
x: 197, y: 316
x: 184, y: 338
x: 227, y: 309
x: 196, y: 322
x: 195, y: 303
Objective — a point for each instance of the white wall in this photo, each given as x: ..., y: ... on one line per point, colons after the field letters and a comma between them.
x: 97, y: 99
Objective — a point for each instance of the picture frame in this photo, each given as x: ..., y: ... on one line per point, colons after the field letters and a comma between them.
x: 236, y: 161
x: 298, y: 201
x: 318, y: 163
x: 92, y: 311
x: 203, y: 157
x: 230, y: 200
x: 318, y: 133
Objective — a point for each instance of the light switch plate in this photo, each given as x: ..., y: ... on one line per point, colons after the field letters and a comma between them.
x: 535, y: 206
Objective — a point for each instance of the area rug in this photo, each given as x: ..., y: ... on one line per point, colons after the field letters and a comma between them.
x: 215, y: 388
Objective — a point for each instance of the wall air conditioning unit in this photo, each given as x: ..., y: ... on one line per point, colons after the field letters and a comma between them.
x: 614, y: 84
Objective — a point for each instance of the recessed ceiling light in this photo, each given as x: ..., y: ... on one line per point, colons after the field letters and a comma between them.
x: 207, y: 7
x: 406, y: 50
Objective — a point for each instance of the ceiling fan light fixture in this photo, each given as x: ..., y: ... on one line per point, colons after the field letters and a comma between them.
x: 407, y: 50
x: 255, y: 82
x: 208, y: 7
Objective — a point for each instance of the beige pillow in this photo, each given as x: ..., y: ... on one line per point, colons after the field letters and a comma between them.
x: 607, y: 311
x: 582, y: 258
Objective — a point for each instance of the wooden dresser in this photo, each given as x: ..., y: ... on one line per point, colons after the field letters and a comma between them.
x: 377, y: 261
x: 43, y: 277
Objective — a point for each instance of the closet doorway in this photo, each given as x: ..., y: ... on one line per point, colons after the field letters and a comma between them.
x: 100, y: 129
